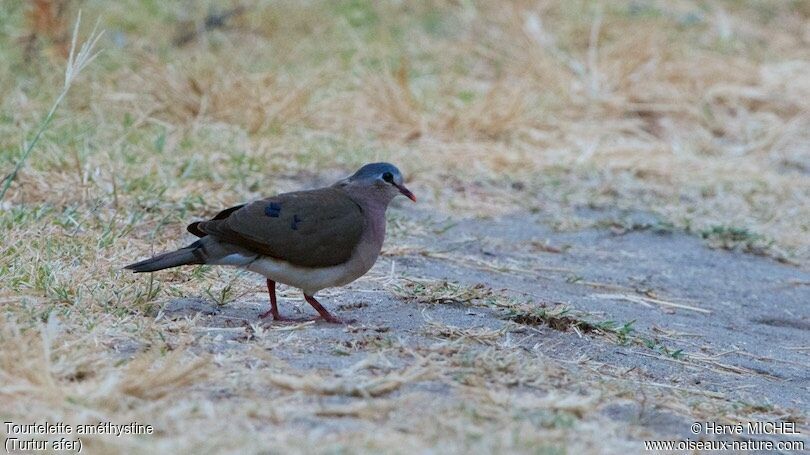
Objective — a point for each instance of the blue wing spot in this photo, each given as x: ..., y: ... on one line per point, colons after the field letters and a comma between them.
x: 272, y: 210
x: 295, y: 221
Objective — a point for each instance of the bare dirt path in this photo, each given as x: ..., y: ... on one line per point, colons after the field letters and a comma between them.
x: 644, y: 305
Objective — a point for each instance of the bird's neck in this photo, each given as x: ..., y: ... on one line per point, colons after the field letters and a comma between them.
x: 373, y: 204
x: 374, y: 214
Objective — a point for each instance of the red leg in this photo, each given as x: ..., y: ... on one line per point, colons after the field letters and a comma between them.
x: 271, y: 289
x: 327, y: 316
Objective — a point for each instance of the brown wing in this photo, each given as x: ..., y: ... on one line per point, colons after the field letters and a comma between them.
x: 317, y: 228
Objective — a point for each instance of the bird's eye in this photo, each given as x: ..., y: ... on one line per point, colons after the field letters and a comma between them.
x: 388, y: 177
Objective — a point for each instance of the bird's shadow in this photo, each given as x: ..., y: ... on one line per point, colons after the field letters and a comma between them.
x: 211, y: 315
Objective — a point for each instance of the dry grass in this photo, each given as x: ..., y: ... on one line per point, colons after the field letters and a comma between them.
x: 353, y: 385
x: 697, y: 111
x: 482, y: 335
x: 189, y: 92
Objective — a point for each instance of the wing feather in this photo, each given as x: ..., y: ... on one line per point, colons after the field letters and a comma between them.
x: 317, y: 228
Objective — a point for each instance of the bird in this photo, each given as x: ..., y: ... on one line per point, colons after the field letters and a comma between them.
x: 310, y: 240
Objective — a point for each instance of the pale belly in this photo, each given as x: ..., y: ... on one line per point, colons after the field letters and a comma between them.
x: 307, y: 279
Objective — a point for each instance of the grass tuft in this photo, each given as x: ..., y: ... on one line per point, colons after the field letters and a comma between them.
x: 76, y: 62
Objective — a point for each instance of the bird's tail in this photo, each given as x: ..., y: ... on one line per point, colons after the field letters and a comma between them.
x: 192, y: 254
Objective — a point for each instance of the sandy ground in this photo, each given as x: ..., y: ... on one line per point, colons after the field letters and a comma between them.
x: 715, y: 323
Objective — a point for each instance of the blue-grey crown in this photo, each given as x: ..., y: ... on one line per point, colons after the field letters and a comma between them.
x: 372, y: 170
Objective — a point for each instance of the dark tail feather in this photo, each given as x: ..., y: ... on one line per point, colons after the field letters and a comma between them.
x: 192, y: 254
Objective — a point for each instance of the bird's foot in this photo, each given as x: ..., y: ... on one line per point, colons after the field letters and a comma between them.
x: 275, y: 314
x: 333, y: 320
x: 325, y: 315
x: 292, y: 321
x: 286, y: 322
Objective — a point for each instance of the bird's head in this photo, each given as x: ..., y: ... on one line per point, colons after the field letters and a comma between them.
x: 381, y: 179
